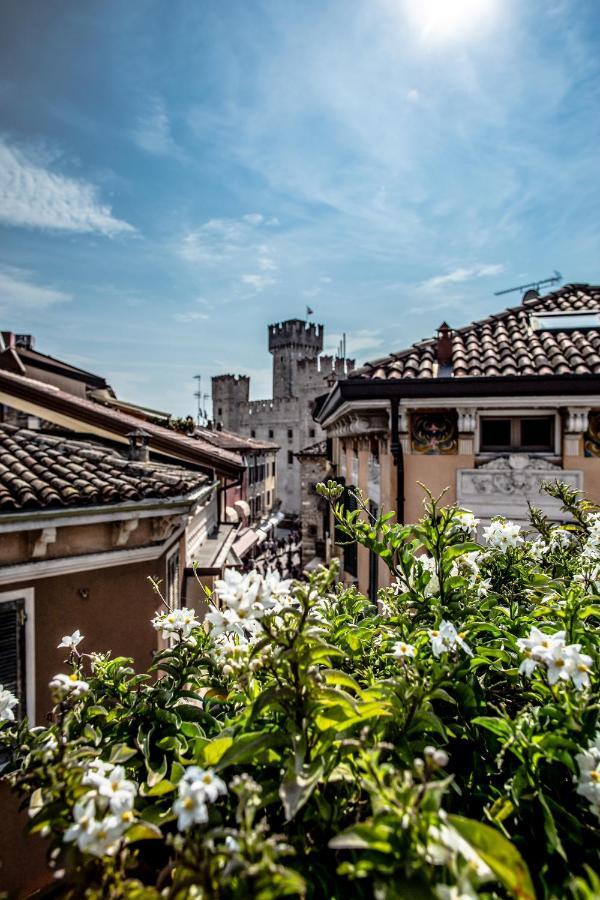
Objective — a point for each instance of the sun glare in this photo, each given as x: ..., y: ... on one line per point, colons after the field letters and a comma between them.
x: 446, y: 20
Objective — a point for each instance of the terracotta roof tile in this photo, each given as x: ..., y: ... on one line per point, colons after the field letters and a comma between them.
x: 41, y: 471
x: 508, y: 344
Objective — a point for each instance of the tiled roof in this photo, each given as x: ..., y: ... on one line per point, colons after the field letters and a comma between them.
x: 41, y: 471
x: 57, y: 405
x: 318, y: 449
x: 507, y: 344
x: 229, y: 440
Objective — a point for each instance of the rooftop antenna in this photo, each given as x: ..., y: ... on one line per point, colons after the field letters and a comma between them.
x: 534, y: 285
x: 205, y: 410
x: 198, y: 396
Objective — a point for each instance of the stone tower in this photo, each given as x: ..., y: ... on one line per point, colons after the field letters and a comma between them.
x: 300, y: 375
x: 290, y: 342
x: 230, y: 394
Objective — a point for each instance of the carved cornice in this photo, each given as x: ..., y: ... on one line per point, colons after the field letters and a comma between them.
x: 123, y: 530
x: 360, y: 425
x: 40, y: 541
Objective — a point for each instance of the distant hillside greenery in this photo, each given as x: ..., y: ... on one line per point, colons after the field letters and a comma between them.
x: 303, y: 742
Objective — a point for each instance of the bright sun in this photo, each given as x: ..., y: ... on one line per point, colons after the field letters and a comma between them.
x: 445, y: 20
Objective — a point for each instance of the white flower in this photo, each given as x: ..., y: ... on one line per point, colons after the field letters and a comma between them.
x: 177, y: 621
x: 437, y: 756
x: 427, y: 564
x: 502, y: 534
x: 560, y: 539
x: 446, y: 638
x: 401, y: 650
x: 119, y: 792
x: 8, y: 701
x: 69, y: 684
x: 589, y: 775
x: 70, y: 641
x: 538, y: 549
x: 197, y: 788
x: 563, y: 662
x: 84, y: 815
x: 465, y: 521
x: 462, y: 891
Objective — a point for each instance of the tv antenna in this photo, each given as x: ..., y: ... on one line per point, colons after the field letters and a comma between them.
x: 198, y: 396
x: 534, y: 285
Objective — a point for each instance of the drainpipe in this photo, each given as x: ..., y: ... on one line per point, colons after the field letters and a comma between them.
x: 398, y: 457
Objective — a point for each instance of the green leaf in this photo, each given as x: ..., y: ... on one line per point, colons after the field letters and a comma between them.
x: 297, y: 787
x: 499, y: 854
x: 211, y: 753
x: 143, y: 831
x: 156, y: 774
x: 499, y: 727
x: 249, y: 747
x: 550, y: 828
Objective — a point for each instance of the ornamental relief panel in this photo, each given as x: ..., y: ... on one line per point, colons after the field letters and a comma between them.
x: 434, y: 434
x: 591, y: 440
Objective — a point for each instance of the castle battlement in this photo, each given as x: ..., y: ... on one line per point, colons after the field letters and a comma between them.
x: 229, y: 379
x: 296, y: 333
x: 325, y: 365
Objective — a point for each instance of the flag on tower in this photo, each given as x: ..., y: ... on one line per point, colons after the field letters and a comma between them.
x: 309, y: 311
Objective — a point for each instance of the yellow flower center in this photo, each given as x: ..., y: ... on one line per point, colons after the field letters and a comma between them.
x: 207, y: 778
x: 73, y: 676
x: 188, y: 803
x: 434, y: 633
x: 583, y: 668
x: 559, y: 663
x: 595, y: 775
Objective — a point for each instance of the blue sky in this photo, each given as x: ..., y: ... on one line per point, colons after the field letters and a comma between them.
x: 175, y: 176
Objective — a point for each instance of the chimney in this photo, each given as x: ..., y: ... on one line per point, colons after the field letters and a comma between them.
x: 444, y: 349
x: 530, y: 295
x: 8, y: 339
x: 26, y: 341
x: 139, y: 450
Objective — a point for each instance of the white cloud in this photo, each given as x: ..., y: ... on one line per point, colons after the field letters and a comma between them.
x: 258, y: 282
x: 356, y: 341
x: 19, y: 293
x: 460, y: 275
x: 153, y: 130
x: 254, y: 218
x: 32, y: 196
x: 413, y: 95
x: 191, y: 316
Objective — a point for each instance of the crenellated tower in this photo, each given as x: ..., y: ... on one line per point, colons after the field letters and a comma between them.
x: 289, y: 342
x: 229, y: 394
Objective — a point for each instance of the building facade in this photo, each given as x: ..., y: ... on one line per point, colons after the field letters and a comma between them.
x: 488, y: 412
x: 300, y: 375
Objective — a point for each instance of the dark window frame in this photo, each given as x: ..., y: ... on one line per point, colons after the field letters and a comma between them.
x: 516, y: 444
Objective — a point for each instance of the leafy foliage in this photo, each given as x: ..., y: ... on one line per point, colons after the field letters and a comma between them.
x: 442, y: 744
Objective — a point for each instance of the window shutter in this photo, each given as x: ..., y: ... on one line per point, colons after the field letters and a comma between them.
x: 12, y: 650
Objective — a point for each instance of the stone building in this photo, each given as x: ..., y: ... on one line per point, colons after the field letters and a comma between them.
x: 300, y: 375
x: 489, y: 411
x: 314, y: 467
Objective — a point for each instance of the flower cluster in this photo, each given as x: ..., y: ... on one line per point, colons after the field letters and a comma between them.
x: 177, y: 621
x: 591, y: 549
x: 68, y: 685
x: 8, y: 701
x: 467, y: 566
x: 465, y: 521
x: 447, y: 638
x: 502, y: 535
x: 245, y: 600
x: 105, y: 812
x: 589, y: 775
x: 197, y: 788
x: 563, y: 662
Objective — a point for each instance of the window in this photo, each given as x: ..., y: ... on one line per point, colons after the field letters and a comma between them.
x: 253, y: 432
x: 173, y: 580
x: 311, y: 432
x: 528, y: 434
x: 290, y: 458
x: 271, y: 434
x: 17, y: 649
x: 290, y: 434
x: 220, y: 411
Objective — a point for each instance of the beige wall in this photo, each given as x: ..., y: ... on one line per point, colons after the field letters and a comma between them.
x: 114, y: 616
x: 112, y: 607
x: 436, y: 473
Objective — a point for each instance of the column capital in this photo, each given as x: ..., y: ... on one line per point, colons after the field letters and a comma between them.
x: 467, y: 419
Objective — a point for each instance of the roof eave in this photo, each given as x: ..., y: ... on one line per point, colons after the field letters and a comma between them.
x: 476, y: 386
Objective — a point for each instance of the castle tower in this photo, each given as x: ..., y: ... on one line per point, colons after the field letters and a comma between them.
x: 229, y: 394
x: 290, y: 341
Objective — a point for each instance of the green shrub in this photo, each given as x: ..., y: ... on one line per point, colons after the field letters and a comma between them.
x: 307, y: 743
